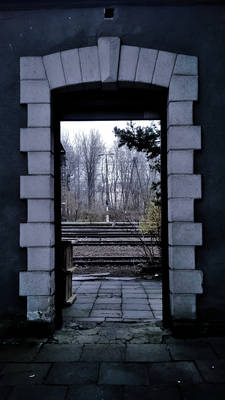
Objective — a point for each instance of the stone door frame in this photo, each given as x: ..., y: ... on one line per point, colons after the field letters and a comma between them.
x: 109, y: 62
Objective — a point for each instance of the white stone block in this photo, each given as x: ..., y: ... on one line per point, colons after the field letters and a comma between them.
x: 36, y: 187
x: 36, y: 283
x: 32, y: 68
x: 164, y: 68
x: 54, y: 70
x: 128, y: 63
x: 183, y: 306
x: 89, y: 64
x: 40, y: 162
x: 40, y: 303
x: 184, y: 137
x: 41, y: 210
x: 34, y: 91
x: 186, y: 65
x: 35, y: 139
x: 180, y: 162
x: 146, y: 65
x: 109, y: 51
x: 183, y: 88
x: 71, y: 66
x: 182, y: 257
x: 41, y: 308
x: 37, y: 234
x: 186, y: 281
x: 40, y: 258
x: 185, y: 234
x: 39, y: 115
x: 181, y: 210
x: 188, y: 186
x: 180, y: 113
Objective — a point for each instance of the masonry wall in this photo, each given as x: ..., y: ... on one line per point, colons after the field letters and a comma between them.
x: 195, y: 30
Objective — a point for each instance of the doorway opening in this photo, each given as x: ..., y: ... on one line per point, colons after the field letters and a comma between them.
x: 111, y: 214
x: 110, y: 81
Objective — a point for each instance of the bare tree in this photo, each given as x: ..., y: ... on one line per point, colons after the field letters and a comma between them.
x: 91, y: 147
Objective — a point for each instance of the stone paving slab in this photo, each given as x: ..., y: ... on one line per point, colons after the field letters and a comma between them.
x: 101, y: 352
x: 24, y: 373
x: 218, y: 344
x: 107, y: 306
x: 147, y: 353
x: 138, y: 314
x: 203, y: 392
x: 38, y: 393
x: 73, y: 373
x: 213, y: 371
x: 123, y: 374
x: 151, y: 393
x: 174, y: 372
x: 59, y: 353
x: 136, y: 307
x: 187, y: 351
x: 18, y: 352
x: 95, y: 392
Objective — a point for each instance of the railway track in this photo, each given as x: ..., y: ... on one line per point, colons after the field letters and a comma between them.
x: 100, y: 235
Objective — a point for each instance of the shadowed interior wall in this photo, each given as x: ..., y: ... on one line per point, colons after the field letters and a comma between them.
x: 195, y: 30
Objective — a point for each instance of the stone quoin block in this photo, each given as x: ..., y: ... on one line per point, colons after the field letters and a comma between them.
x: 37, y: 234
x: 183, y: 306
x: 71, y: 66
x: 180, y: 113
x: 41, y: 210
x: 186, y: 281
x: 146, y: 64
x: 35, y: 139
x: 188, y: 186
x: 185, y: 234
x: 32, y: 68
x: 40, y: 308
x: 184, y: 137
x: 182, y: 257
x: 181, y: 210
x: 40, y: 303
x: 36, y: 187
x: 40, y: 258
x: 109, y: 51
x: 180, y: 162
x: 54, y: 70
x: 164, y: 68
x: 89, y: 64
x: 183, y: 88
x: 128, y: 63
x: 186, y: 65
x: 39, y: 115
x: 34, y: 91
x: 36, y: 283
x: 40, y: 162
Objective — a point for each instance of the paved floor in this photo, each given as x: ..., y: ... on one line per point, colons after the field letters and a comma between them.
x: 95, y: 358
x: 174, y: 370
x: 117, y: 300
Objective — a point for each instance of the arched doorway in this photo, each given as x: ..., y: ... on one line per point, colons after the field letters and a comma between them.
x: 108, y: 65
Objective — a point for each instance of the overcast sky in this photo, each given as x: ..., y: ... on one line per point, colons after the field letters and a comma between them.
x: 105, y: 128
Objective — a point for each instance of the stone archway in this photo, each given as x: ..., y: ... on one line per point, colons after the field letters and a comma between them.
x: 109, y: 62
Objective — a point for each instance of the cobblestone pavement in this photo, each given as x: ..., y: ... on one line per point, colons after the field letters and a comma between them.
x: 97, y: 359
